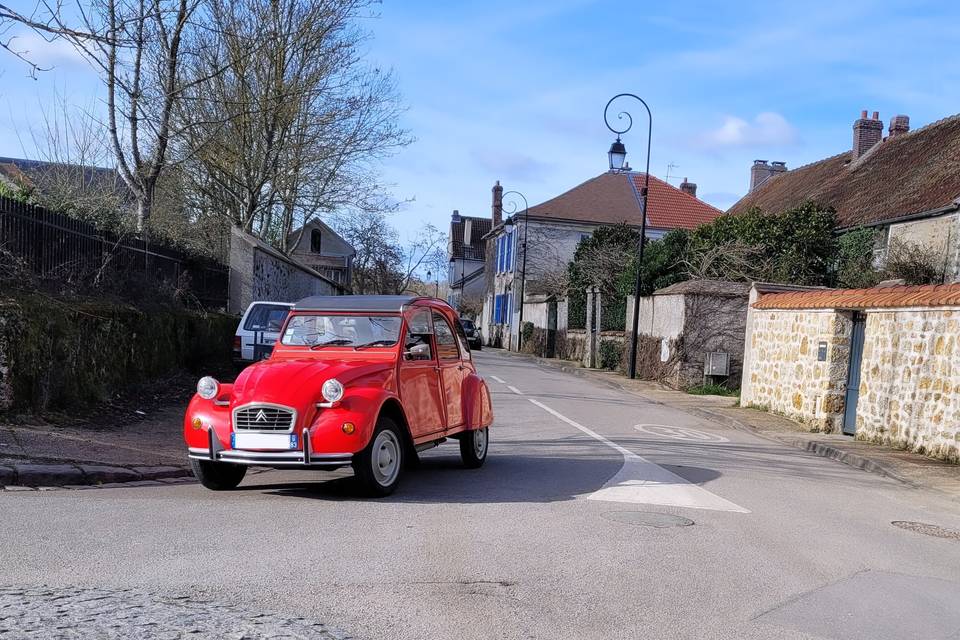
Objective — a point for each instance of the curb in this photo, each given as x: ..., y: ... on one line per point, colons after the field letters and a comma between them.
x: 814, y: 447
x: 24, y: 476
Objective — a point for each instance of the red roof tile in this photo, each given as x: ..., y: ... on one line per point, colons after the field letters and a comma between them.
x: 874, y: 298
x: 906, y: 174
x: 611, y: 198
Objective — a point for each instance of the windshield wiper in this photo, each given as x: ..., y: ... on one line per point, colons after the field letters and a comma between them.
x: 384, y: 342
x: 332, y: 343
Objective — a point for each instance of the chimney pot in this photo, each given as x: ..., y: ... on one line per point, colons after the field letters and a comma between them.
x: 689, y: 187
x: 760, y: 172
x: 866, y: 133
x: 899, y: 124
x: 497, y: 205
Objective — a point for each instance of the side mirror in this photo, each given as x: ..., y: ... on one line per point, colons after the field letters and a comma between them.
x: 418, y: 352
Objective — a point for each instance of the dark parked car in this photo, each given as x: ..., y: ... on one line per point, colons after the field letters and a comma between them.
x: 473, y: 333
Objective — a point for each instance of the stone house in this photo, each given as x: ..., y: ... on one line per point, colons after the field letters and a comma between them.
x: 260, y: 272
x: 322, y: 249
x: 882, y: 364
x: 466, y: 253
x: 550, y: 231
x: 906, y: 185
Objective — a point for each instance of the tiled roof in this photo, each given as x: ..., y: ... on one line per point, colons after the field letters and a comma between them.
x: 477, y: 248
x: 671, y: 208
x: 874, y: 298
x: 910, y: 173
x: 611, y: 198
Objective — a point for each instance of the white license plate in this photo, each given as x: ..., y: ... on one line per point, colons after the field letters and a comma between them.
x: 282, y: 441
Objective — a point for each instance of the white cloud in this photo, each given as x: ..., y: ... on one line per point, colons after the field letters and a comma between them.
x: 766, y: 129
x: 43, y: 53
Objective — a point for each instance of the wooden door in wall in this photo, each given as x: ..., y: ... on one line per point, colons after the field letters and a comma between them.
x: 853, y: 375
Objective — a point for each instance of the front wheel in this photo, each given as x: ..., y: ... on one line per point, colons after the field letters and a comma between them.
x: 378, y: 467
x: 473, y: 448
x: 218, y: 476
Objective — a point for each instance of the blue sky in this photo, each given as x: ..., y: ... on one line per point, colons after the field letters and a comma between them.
x: 515, y: 90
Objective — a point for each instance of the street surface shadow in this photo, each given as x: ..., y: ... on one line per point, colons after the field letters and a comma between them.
x: 441, y: 478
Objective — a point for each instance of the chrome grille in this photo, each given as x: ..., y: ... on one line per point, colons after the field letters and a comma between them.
x: 263, y: 418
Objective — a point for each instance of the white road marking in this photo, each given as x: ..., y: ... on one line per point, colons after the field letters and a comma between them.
x: 640, y: 481
x: 500, y: 380
x: 515, y: 390
x: 680, y: 433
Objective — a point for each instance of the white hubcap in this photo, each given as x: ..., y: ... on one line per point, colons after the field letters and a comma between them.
x: 480, y: 442
x: 386, y: 458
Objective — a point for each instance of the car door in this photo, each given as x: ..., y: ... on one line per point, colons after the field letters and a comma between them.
x: 451, y: 369
x: 419, y: 379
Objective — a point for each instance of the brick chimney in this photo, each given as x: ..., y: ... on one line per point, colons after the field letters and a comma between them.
x: 761, y: 171
x: 497, y: 206
x: 689, y: 187
x: 899, y: 124
x: 866, y: 133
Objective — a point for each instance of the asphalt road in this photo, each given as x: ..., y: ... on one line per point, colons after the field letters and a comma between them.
x: 597, y: 515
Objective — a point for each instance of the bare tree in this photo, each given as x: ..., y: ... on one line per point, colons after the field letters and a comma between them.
x: 729, y: 261
x: 137, y: 47
x: 291, y: 132
x: 76, y: 174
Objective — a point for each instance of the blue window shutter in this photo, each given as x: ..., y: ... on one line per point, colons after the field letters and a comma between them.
x: 499, y: 254
x: 510, y: 252
x: 497, y: 308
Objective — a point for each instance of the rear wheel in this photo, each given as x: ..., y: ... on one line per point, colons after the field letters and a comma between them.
x: 218, y: 476
x: 379, y: 466
x: 473, y: 448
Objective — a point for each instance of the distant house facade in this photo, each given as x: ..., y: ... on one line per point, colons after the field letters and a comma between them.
x: 466, y: 251
x: 552, y: 230
x: 905, y: 185
x: 322, y: 249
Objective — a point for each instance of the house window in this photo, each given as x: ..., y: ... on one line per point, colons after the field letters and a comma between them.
x: 315, y: 239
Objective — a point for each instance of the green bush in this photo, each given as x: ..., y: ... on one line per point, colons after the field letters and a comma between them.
x: 59, y: 355
x: 611, y: 354
x: 713, y: 390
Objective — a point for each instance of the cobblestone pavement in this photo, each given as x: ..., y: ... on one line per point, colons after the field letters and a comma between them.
x: 104, y: 614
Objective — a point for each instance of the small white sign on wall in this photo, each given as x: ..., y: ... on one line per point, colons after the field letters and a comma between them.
x: 664, y: 350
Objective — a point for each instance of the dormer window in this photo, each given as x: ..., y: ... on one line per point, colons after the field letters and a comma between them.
x: 315, y: 239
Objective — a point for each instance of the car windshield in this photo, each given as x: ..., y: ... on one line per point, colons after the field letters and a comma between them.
x: 318, y: 330
x: 266, y: 317
x: 467, y: 324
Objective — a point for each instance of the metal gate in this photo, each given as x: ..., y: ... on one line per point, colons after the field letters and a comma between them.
x: 853, y: 375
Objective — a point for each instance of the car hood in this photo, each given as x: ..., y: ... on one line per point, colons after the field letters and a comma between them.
x: 296, y: 382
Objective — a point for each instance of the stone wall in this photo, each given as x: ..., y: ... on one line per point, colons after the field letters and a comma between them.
x: 784, y: 374
x: 910, y: 381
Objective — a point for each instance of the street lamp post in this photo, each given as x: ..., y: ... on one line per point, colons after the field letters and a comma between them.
x: 616, y: 156
x: 523, y: 266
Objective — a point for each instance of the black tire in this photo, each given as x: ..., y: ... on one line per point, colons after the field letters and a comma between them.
x: 478, y: 347
x: 379, y: 466
x: 473, y: 450
x: 218, y: 476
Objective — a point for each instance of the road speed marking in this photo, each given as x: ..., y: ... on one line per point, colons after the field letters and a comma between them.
x: 515, y: 390
x: 640, y: 481
x: 500, y: 380
x: 680, y: 433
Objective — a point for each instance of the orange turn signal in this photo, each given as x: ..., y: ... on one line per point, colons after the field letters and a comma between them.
x: 348, y: 428
x: 197, y: 423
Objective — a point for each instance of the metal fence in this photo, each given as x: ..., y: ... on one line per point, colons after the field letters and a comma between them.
x: 55, y: 246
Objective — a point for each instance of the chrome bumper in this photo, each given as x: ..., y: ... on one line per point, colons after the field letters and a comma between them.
x: 300, y: 458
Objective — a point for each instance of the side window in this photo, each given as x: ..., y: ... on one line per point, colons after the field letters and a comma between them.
x: 416, y: 344
x: 446, y: 342
x: 464, y: 345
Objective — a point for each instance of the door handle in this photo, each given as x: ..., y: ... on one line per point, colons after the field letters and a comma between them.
x: 460, y: 367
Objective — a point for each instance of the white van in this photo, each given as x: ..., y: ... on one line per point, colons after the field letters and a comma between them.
x: 259, y: 330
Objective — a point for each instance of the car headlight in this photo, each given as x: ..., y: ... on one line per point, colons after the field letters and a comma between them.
x: 207, y: 388
x: 332, y: 390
